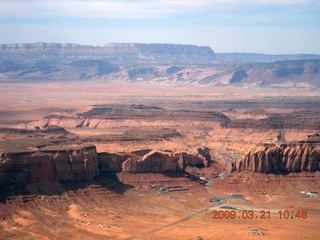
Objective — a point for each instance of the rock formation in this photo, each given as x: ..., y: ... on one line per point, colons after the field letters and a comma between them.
x: 84, y: 164
x: 113, y: 161
x: 269, y: 158
x: 109, y: 48
x: 153, y: 161
x: 303, y: 120
x: 116, y: 52
x: 100, y: 117
x: 157, y: 63
x: 51, y: 165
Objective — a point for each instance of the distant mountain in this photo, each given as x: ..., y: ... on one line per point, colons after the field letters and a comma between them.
x: 137, y: 53
x: 156, y: 63
x: 256, y: 57
x: 117, y: 53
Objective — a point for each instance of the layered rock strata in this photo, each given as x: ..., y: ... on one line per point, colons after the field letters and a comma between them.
x: 51, y: 165
x: 153, y: 161
x: 269, y: 158
x: 84, y: 164
x: 109, y: 48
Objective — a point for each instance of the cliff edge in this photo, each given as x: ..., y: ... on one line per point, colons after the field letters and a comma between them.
x: 84, y: 164
x: 51, y: 165
x: 269, y: 158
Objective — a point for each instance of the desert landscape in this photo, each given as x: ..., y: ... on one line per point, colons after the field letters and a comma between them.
x: 99, y: 144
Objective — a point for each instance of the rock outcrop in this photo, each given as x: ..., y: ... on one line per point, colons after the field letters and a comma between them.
x: 103, y: 116
x: 111, y: 62
x: 116, y: 52
x: 302, y: 120
x: 109, y: 48
x: 269, y: 158
x: 153, y: 161
x: 84, y: 164
x: 113, y: 161
x: 50, y: 165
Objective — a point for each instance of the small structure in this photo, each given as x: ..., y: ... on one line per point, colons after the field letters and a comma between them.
x: 237, y: 196
x: 258, y: 231
x: 312, y: 194
x: 204, y: 178
x: 172, y: 188
x: 215, y: 200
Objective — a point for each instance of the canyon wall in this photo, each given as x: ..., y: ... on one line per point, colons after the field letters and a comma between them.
x: 54, y: 165
x: 109, y: 48
x: 123, y: 53
x: 84, y: 164
x: 269, y: 158
x: 113, y: 161
x: 153, y: 161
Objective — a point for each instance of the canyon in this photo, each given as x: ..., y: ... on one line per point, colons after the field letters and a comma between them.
x: 94, y: 170
x: 129, y: 141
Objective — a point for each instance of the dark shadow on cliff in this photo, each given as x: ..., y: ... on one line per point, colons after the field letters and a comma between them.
x: 186, y: 175
x: 173, y: 174
x: 106, y: 180
x: 272, y: 172
x: 282, y: 173
x: 116, y: 185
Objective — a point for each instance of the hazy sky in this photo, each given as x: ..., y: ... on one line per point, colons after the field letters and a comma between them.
x: 262, y: 26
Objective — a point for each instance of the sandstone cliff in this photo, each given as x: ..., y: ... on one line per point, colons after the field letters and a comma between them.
x: 84, y: 164
x: 56, y: 165
x: 116, y: 52
x: 109, y: 48
x: 113, y: 161
x: 153, y: 161
x: 269, y: 158
x: 106, y: 115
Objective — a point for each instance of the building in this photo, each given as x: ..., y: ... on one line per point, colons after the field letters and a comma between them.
x: 312, y: 194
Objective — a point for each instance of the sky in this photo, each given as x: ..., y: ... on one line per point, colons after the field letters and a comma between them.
x: 253, y: 26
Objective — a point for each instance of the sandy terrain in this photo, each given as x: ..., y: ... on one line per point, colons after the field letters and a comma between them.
x: 128, y: 208
x: 143, y: 213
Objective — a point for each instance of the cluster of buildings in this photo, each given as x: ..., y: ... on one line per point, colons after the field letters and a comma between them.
x: 309, y: 194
